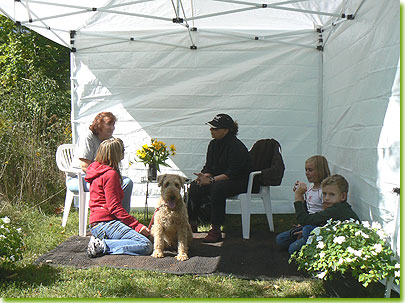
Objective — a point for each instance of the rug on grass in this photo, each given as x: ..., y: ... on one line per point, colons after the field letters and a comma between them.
x: 256, y: 258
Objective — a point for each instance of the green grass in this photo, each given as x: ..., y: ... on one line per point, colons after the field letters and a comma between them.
x: 44, y: 232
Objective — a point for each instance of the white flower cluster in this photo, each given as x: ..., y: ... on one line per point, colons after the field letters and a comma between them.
x: 11, y: 242
x: 397, y: 272
x: 339, y: 246
x: 339, y: 240
x: 355, y: 252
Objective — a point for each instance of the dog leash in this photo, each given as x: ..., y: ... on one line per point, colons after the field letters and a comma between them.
x: 152, y: 220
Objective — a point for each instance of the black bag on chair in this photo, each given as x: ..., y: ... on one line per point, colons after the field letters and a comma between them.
x: 265, y: 156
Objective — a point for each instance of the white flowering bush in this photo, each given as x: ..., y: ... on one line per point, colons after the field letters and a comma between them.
x: 338, y: 247
x: 11, y: 243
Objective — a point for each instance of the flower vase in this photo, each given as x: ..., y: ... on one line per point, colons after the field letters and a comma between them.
x: 152, y: 172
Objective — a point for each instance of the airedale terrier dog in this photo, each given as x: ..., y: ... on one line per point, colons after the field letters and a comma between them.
x: 170, y: 222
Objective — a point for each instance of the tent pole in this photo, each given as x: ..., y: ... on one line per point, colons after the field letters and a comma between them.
x: 249, y: 37
x: 278, y: 6
x: 132, y: 38
x: 7, y: 15
x: 50, y: 3
x: 291, y: 33
x: 223, y: 13
x: 134, y: 14
x: 320, y: 104
x: 45, y: 25
x: 146, y: 41
x: 54, y: 16
x: 180, y: 4
x: 73, y: 102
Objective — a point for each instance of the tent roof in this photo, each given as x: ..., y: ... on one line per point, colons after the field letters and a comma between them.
x: 58, y: 19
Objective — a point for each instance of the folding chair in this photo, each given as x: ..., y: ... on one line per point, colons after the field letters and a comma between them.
x: 64, y: 158
x: 242, y: 204
x: 267, y: 161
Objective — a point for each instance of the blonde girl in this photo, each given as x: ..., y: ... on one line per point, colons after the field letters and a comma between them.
x: 316, y: 169
x: 114, y: 230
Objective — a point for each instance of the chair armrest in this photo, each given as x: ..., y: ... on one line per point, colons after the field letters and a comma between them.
x: 250, y: 183
x: 75, y: 171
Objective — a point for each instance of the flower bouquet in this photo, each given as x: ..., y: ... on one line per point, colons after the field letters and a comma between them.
x: 349, y: 246
x: 155, y: 154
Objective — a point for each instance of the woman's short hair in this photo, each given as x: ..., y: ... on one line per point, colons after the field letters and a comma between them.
x: 95, y: 127
x: 110, y: 153
x: 321, y: 166
x: 234, y: 130
x: 338, y: 180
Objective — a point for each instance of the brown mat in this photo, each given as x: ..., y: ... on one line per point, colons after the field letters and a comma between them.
x: 257, y: 258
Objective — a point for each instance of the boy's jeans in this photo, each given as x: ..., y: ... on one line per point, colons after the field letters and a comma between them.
x: 286, y: 240
x: 122, y: 239
x: 127, y: 185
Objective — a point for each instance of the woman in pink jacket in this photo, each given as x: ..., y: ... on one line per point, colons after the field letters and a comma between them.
x: 114, y: 231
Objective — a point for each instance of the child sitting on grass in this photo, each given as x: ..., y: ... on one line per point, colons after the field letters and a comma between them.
x: 334, y: 194
x: 113, y: 230
x: 316, y: 169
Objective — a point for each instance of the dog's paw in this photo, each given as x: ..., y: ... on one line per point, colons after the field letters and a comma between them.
x: 158, y: 254
x: 182, y: 257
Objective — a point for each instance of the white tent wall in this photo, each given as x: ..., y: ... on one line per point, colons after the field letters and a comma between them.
x: 167, y: 92
x: 361, y: 115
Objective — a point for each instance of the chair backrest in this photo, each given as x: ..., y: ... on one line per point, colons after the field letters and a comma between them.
x: 64, y: 156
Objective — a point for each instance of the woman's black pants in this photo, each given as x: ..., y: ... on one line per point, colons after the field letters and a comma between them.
x: 217, y: 193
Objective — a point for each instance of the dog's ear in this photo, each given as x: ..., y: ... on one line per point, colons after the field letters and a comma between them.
x: 160, y: 179
x: 183, y: 179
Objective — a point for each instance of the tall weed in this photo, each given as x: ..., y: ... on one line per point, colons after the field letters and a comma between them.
x: 28, y: 172
x: 34, y: 116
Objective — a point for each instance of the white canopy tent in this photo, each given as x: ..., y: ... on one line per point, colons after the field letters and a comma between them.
x: 320, y: 76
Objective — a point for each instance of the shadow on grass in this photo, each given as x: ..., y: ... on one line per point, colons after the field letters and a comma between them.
x: 259, y: 257
x: 30, y: 275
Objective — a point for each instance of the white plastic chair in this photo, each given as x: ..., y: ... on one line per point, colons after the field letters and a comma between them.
x: 64, y: 158
x: 242, y: 204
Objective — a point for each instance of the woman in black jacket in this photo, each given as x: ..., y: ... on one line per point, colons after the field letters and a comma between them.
x: 225, y: 174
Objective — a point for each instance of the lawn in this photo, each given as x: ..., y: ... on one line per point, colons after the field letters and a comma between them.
x: 44, y: 232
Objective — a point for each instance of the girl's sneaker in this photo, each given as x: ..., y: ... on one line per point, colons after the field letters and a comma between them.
x: 95, y: 248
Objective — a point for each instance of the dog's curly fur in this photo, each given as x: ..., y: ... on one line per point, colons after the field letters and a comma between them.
x: 170, y: 226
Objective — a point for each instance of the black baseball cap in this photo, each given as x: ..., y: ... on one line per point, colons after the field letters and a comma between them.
x: 222, y: 121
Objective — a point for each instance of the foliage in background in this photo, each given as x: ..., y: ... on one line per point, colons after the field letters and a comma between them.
x: 349, y: 246
x: 34, y: 114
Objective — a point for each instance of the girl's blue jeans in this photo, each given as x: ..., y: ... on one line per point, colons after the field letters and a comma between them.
x: 73, y: 185
x: 286, y: 240
x: 122, y: 239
